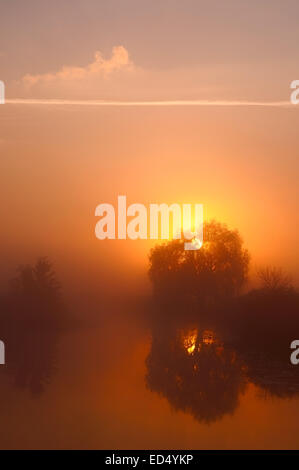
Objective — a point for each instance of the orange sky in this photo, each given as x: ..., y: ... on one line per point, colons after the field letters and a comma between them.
x: 58, y: 162
x: 164, y: 102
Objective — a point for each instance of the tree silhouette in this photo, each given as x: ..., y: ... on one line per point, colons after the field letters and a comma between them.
x: 274, y: 279
x: 33, y: 318
x: 264, y: 322
x: 203, y: 376
x: 195, y: 373
x: 215, y: 272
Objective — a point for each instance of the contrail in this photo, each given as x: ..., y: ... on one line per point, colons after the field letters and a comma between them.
x: 62, y: 102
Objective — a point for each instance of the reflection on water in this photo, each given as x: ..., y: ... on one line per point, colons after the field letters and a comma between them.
x: 210, y: 342
x: 202, y: 375
x: 173, y: 377
x: 31, y: 322
x: 121, y: 384
x: 195, y: 372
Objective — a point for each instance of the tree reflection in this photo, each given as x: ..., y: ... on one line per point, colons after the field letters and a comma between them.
x: 265, y: 322
x: 195, y: 372
x: 31, y: 321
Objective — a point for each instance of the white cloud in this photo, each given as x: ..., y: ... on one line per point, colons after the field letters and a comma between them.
x: 99, y: 68
x: 117, y: 79
x: 102, y: 78
x: 111, y: 79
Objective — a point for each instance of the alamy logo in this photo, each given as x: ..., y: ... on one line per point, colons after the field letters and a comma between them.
x: 295, y: 93
x: 294, y: 358
x: 165, y: 221
x: 2, y: 353
x: 2, y: 92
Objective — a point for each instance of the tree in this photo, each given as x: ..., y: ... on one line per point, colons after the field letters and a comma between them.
x: 35, y: 319
x: 216, y: 271
x: 274, y: 279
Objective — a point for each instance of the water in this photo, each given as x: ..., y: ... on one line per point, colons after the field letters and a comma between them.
x: 122, y: 384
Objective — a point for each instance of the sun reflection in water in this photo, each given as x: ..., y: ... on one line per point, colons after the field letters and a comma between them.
x: 193, y: 341
x: 189, y: 341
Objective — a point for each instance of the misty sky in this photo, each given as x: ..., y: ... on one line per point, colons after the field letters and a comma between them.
x: 59, y: 162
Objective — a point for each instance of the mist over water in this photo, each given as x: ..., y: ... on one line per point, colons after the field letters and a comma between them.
x: 195, y: 361
x: 123, y: 344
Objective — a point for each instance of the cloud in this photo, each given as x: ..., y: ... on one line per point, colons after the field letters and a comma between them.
x: 99, y: 68
x: 117, y: 80
x: 102, y: 78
